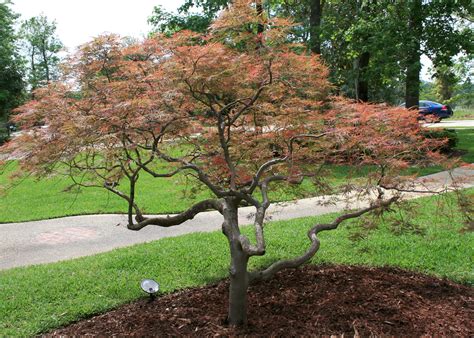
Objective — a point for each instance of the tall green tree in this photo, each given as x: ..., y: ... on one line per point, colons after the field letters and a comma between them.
x: 316, y: 12
x: 441, y: 30
x: 446, y: 80
x: 373, y: 47
x: 360, y: 45
x: 194, y: 15
x: 41, y: 45
x: 453, y: 84
x: 11, y: 70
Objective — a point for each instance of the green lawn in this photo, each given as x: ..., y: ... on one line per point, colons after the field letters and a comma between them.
x: 466, y: 143
x: 38, y: 298
x: 463, y: 114
x: 30, y: 199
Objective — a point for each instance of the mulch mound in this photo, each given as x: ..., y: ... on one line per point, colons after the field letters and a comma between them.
x: 312, y: 300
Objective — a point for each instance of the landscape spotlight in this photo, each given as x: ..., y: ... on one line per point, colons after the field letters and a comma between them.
x: 150, y: 286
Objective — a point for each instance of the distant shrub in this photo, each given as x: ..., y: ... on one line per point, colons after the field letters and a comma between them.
x: 4, y: 137
x: 449, y: 134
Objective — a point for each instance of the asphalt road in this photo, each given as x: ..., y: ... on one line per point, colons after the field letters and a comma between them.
x: 59, y: 239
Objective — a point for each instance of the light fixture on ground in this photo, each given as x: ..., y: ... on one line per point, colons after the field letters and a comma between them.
x: 150, y: 286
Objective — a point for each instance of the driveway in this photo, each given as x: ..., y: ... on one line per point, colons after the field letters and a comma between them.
x: 70, y: 237
x: 448, y: 123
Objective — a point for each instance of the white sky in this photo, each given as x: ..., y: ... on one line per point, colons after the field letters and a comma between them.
x: 79, y: 21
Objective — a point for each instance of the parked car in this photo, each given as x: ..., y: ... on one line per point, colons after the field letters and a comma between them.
x: 434, y: 109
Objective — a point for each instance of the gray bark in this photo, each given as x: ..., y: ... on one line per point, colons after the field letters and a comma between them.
x: 239, y: 277
x: 315, y: 25
x: 413, y: 63
x: 363, y: 83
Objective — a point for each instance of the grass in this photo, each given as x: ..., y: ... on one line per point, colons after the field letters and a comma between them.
x: 463, y: 114
x: 466, y: 143
x: 39, y: 298
x: 30, y: 199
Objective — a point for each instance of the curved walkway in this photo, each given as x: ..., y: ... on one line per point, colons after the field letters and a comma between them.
x: 58, y: 239
x: 448, y: 123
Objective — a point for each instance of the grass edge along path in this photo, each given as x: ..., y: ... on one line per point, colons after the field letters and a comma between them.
x: 51, y: 198
x: 32, y: 199
x: 39, y: 298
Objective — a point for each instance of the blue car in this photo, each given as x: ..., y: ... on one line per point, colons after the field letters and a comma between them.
x: 439, y: 110
x: 434, y: 109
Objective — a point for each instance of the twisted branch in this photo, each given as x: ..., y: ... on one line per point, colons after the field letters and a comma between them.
x: 315, y: 242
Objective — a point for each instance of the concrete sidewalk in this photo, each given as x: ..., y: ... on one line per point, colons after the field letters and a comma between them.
x: 59, y: 239
x: 451, y: 124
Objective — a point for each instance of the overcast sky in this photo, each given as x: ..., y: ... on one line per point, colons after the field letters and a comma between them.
x: 79, y: 21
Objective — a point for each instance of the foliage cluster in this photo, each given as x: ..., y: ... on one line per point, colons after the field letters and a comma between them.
x: 246, y: 107
x: 41, y: 46
x: 28, y: 58
x: 446, y: 134
x: 372, y: 48
x: 453, y: 84
x: 11, y: 69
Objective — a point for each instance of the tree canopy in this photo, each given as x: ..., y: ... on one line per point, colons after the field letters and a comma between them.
x: 41, y: 46
x: 372, y: 48
x: 11, y: 67
x: 237, y: 110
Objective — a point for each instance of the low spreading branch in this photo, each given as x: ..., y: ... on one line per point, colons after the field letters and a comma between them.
x: 315, y: 242
x: 172, y: 220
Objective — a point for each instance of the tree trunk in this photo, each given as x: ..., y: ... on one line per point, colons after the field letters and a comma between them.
x: 412, y: 83
x: 315, y: 25
x: 238, y: 286
x: 413, y: 64
x: 363, y: 83
x: 133, y: 181
x: 445, y: 82
x: 239, y: 279
x: 46, y: 67
x: 260, y: 26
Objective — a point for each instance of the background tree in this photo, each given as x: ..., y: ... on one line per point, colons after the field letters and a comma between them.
x: 238, y: 111
x: 453, y: 84
x: 11, y: 68
x: 463, y: 91
x: 445, y: 81
x: 412, y: 61
x: 437, y: 29
x: 372, y: 48
x: 360, y: 48
x: 41, y: 45
x: 194, y: 15
x: 169, y: 23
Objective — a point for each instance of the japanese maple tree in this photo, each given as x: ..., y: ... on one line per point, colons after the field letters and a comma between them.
x: 240, y: 110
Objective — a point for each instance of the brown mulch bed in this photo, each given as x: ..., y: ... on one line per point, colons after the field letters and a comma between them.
x: 320, y: 300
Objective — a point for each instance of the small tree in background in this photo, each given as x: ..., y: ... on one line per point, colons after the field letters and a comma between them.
x: 239, y: 110
x: 41, y: 46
